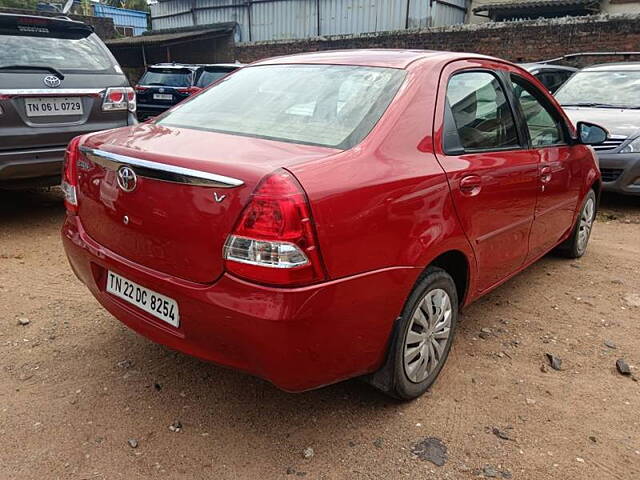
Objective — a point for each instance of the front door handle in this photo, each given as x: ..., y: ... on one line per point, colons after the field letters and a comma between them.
x: 471, y: 185
x: 545, y: 174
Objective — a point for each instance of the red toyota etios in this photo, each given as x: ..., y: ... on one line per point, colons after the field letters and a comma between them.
x: 316, y: 217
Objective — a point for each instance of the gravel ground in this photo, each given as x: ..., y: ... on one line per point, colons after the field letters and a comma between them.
x: 83, y: 397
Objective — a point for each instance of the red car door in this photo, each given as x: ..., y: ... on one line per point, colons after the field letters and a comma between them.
x: 493, y: 177
x: 560, y: 176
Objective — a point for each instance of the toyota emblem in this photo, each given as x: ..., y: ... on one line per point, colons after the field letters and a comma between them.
x: 127, y: 179
x: 51, y: 81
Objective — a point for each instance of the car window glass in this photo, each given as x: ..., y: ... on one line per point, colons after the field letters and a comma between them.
x: 543, y: 124
x: 481, y: 113
x: 167, y: 78
x: 328, y: 105
x: 211, y: 75
x: 66, y: 53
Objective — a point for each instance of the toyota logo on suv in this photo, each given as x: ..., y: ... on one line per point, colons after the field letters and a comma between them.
x: 51, y: 81
x: 127, y: 179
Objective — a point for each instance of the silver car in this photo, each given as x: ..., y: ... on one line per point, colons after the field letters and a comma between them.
x: 608, y: 95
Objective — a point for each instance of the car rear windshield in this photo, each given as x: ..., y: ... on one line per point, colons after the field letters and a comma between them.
x: 167, y: 78
x: 211, y: 75
x: 601, y: 89
x: 51, y: 45
x: 327, y: 105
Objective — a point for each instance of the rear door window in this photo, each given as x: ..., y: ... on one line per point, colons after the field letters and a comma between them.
x: 167, y: 78
x: 53, y: 45
x: 480, y: 113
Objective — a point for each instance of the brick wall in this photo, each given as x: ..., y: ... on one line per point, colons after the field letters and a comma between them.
x: 103, y: 26
x: 515, y: 41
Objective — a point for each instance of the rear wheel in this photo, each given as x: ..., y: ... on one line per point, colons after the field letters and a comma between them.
x: 425, y: 333
x: 576, y: 245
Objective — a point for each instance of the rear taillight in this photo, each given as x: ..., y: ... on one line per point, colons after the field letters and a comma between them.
x: 70, y: 176
x: 140, y: 88
x: 274, y: 242
x: 189, y: 90
x: 119, y: 98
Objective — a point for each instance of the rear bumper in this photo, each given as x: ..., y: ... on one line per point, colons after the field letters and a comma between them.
x: 620, y: 173
x: 40, y: 166
x: 298, y: 339
x: 145, y: 110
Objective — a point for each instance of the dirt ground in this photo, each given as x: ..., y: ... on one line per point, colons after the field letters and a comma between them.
x: 76, y: 386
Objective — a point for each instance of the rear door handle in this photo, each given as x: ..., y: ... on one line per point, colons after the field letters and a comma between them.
x: 471, y: 185
x: 545, y: 174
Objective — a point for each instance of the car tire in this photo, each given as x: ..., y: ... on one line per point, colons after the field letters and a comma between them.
x: 423, y: 335
x: 576, y: 245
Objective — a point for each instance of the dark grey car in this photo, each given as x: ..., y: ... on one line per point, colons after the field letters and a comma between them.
x: 609, y: 95
x: 57, y: 80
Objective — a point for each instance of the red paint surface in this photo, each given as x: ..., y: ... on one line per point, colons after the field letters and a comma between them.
x: 383, y: 211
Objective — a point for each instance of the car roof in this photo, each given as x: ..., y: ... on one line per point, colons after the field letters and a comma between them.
x: 226, y: 65
x: 616, y: 66
x: 545, y: 66
x: 392, y: 58
x: 177, y: 66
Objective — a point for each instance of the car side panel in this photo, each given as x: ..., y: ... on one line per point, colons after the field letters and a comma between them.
x: 557, y: 199
x: 497, y: 219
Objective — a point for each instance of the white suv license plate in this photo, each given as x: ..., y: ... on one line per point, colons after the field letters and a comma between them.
x: 52, y: 106
x: 164, y: 308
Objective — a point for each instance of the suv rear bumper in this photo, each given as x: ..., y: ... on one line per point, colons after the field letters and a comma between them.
x: 620, y: 172
x: 145, y: 110
x: 296, y: 338
x: 31, y: 167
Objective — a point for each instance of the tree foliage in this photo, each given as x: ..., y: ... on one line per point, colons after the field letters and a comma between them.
x: 130, y: 4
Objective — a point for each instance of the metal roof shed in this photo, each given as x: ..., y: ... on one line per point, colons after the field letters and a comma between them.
x: 531, y: 9
x: 204, y: 44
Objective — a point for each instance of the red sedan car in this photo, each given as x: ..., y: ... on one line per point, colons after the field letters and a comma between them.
x: 317, y: 217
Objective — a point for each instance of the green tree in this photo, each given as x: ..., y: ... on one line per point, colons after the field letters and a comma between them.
x: 130, y: 4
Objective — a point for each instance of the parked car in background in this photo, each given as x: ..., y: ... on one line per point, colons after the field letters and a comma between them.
x: 57, y: 80
x: 609, y: 94
x: 166, y: 84
x: 354, y: 202
x: 163, y: 85
x: 551, y: 76
x: 213, y: 73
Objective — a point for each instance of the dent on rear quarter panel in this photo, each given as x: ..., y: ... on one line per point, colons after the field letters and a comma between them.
x: 385, y: 203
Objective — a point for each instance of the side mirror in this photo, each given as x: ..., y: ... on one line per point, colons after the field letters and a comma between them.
x: 591, y: 134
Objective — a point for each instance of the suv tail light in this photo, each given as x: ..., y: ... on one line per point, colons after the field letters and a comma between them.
x: 119, y: 98
x: 189, y: 90
x: 70, y: 176
x: 274, y: 242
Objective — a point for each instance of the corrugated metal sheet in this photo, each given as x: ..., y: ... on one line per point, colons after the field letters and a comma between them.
x: 123, y: 17
x: 361, y: 16
x: 443, y: 15
x: 419, y: 14
x: 284, y: 19
x: 291, y: 19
